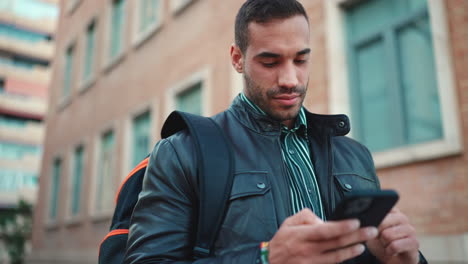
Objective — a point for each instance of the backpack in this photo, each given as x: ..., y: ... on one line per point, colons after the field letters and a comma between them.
x: 215, y: 169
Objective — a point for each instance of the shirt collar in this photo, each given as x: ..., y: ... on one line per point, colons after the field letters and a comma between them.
x: 301, y: 120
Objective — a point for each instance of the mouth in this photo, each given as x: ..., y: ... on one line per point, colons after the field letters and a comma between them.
x: 287, y: 99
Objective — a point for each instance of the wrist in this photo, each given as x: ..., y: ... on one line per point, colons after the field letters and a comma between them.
x: 264, y: 250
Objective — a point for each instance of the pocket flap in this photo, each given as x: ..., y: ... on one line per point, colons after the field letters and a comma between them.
x: 351, y: 182
x: 249, y: 183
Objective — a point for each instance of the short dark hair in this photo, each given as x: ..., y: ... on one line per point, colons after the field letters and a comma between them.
x: 263, y: 11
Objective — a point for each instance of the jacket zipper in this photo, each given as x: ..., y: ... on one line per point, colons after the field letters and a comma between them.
x: 331, y: 204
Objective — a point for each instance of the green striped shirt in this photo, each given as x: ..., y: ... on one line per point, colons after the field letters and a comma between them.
x: 303, y: 184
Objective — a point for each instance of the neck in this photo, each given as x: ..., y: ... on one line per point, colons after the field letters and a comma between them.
x: 289, y: 123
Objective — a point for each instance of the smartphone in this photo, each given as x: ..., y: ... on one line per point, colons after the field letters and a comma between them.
x: 370, y: 207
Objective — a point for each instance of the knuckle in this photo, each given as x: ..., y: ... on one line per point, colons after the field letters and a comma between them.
x: 393, y: 247
x: 386, y: 234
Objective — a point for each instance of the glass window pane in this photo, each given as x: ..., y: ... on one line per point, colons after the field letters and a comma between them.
x: 56, y: 171
x: 105, y: 188
x: 394, y: 88
x: 423, y: 118
x: 117, y: 22
x: 148, y: 13
x: 77, y: 179
x: 89, y: 56
x: 374, y: 105
x: 68, y: 72
x: 190, y: 100
x: 141, y: 137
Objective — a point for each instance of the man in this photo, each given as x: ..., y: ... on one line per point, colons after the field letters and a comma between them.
x: 291, y: 167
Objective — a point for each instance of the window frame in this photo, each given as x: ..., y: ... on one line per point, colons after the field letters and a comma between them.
x: 66, y: 98
x: 134, y: 117
x: 152, y: 106
x: 87, y: 81
x: 203, y: 76
x: 109, y: 61
x: 140, y: 37
x: 177, y: 6
x: 102, y: 214
x: 340, y: 102
x: 70, y: 217
x: 52, y: 222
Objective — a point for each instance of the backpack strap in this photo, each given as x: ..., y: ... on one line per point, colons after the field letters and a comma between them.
x: 215, y: 172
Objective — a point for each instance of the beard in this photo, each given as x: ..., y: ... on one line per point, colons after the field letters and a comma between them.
x: 263, y: 98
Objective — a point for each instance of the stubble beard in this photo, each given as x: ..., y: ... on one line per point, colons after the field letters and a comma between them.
x: 256, y: 95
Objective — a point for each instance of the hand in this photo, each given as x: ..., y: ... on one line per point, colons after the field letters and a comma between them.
x: 397, y: 241
x: 305, y: 238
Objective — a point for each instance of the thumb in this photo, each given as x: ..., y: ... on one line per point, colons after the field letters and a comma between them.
x: 304, y: 217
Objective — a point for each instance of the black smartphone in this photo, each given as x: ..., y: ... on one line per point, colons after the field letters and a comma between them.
x: 370, y: 207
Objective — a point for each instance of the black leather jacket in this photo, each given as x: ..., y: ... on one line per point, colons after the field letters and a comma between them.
x: 162, y: 227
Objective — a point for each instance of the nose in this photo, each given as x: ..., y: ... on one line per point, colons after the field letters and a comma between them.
x: 287, y: 77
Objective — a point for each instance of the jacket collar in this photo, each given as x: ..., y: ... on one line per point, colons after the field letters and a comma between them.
x: 336, y: 125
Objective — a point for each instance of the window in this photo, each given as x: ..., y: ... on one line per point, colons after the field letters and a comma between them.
x: 14, y: 151
x: 117, y: 28
x: 13, y: 180
x: 105, y: 189
x: 141, y: 137
x: 55, y: 188
x: 189, y: 100
x: 67, y: 83
x: 21, y: 34
x: 32, y: 9
x: 149, y: 11
x: 394, y: 93
x: 89, y: 53
x: 76, y: 182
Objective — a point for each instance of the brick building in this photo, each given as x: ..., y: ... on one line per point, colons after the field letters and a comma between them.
x: 398, y: 68
x: 26, y: 49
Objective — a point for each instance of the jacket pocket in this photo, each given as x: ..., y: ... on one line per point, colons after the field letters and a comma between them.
x: 348, y: 182
x: 250, y: 216
x: 249, y: 184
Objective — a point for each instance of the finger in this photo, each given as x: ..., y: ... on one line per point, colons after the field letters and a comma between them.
x: 396, y: 232
x: 304, y: 217
x: 342, y: 254
x: 395, y: 217
x: 329, y: 230
x: 358, y: 236
x: 402, y: 245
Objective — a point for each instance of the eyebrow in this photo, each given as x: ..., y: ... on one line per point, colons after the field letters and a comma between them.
x: 267, y: 54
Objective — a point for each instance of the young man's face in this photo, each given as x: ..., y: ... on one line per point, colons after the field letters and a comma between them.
x: 276, y: 66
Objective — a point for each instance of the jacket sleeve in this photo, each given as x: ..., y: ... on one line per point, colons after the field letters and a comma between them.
x: 163, y: 224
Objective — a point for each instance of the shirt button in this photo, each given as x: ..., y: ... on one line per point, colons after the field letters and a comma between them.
x: 309, y: 190
x: 348, y: 186
x: 291, y: 151
x: 261, y: 185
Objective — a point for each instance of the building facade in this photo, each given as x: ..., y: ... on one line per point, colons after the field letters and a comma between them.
x: 121, y: 66
x: 26, y: 48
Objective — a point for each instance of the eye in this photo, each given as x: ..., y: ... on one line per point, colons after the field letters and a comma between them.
x: 300, y: 61
x: 269, y: 64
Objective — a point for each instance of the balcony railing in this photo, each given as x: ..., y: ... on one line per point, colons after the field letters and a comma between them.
x: 41, y: 25
x: 38, y: 75
x: 29, y: 106
x: 32, y: 133
x: 41, y: 50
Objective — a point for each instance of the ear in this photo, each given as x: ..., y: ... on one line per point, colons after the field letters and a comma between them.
x: 237, y: 59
